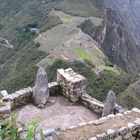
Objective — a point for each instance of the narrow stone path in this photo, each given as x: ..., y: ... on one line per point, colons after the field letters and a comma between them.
x: 8, y: 45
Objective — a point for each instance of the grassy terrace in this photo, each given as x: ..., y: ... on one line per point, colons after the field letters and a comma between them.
x: 83, y: 54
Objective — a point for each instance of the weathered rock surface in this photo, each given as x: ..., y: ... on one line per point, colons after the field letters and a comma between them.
x: 41, y: 90
x: 109, y: 106
x: 116, y: 41
x: 129, y: 12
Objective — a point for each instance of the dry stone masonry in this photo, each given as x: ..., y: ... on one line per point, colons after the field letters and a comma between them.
x: 125, y: 125
x: 91, y: 103
x: 122, y: 126
x: 73, y: 84
x: 5, y: 108
x: 19, y: 98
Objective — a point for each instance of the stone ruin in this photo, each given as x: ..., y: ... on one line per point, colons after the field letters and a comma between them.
x: 109, y: 106
x: 41, y: 90
x: 73, y: 84
x: 115, y: 123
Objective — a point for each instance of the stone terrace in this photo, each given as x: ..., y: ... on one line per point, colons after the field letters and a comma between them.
x: 59, y: 113
x: 71, y: 111
x: 124, y: 126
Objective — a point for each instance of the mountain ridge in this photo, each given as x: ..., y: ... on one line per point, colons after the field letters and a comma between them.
x: 19, y: 64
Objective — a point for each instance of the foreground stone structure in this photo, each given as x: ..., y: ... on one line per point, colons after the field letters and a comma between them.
x: 109, y: 107
x: 91, y: 103
x: 73, y: 84
x: 111, y: 127
x: 41, y: 90
x: 24, y: 96
x: 121, y: 126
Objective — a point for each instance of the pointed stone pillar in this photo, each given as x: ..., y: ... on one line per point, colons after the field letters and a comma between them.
x: 109, y: 106
x: 41, y: 90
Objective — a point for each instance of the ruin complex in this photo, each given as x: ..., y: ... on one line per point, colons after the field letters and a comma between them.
x: 68, y: 112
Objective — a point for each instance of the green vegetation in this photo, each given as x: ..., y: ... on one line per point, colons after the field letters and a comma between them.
x: 18, y: 65
x: 87, y: 27
x: 82, y: 53
x: 67, y: 18
x: 97, y: 86
x: 10, y: 130
x: 81, y: 7
x: 130, y: 97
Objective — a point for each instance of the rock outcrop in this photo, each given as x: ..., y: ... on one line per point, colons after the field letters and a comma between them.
x: 116, y: 41
x: 109, y: 106
x: 129, y: 12
x: 41, y: 90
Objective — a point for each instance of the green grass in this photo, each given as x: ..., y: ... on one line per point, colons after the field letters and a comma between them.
x: 104, y: 67
x: 66, y: 18
x: 83, y: 54
x: 81, y: 7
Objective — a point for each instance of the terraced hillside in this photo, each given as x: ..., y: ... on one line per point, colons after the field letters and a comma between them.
x: 16, y: 18
x: 48, y: 33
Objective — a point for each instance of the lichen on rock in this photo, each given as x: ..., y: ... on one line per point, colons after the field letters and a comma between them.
x: 41, y: 90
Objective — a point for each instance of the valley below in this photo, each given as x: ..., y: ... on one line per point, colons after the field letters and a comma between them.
x: 85, y: 35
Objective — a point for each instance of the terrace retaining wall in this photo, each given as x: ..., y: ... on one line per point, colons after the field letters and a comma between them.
x: 24, y: 96
x: 122, y: 126
x: 91, y: 103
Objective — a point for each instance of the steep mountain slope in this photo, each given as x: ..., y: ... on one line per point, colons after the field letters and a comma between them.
x: 117, y: 43
x: 129, y: 12
x: 131, y: 96
x: 64, y: 27
x: 17, y: 17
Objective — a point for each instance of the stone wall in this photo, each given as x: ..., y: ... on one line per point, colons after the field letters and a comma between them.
x: 122, y: 126
x: 91, y: 103
x: 5, y: 108
x: 24, y: 96
x: 73, y: 85
x: 19, y: 98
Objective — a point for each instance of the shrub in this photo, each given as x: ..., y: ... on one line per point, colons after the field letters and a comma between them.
x: 9, y: 129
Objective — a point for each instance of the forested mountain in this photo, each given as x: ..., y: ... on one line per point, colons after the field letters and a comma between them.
x: 84, y: 35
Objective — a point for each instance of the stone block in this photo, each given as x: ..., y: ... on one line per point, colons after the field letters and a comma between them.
x: 111, y: 133
x: 102, y: 137
x: 119, y: 114
x: 100, y: 121
x: 118, y: 138
x: 128, y: 136
x: 131, y: 126
x: 3, y: 93
x: 93, y: 138
x: 5, y: 109
x: 123, y: 130
x: 137, y: 121
x: 136, y: 110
